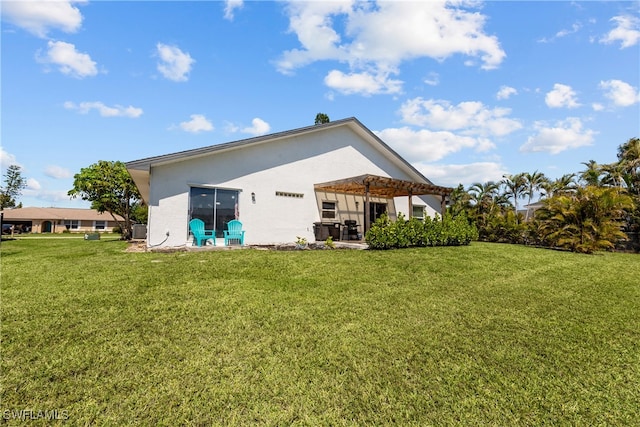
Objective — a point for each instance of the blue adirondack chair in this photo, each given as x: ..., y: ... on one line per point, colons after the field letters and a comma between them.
x: 234, y: 231
x: 200, y: 234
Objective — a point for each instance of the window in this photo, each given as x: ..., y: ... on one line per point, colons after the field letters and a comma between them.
x: 329, y: 210
x: 215, y: 206
x: 100, y: 225
x: 418, y: 212
x: 72, y: 224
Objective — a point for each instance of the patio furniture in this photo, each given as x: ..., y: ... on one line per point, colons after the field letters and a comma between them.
x: 234, y: 231
x: 200, y: 234
x: 350, y: 230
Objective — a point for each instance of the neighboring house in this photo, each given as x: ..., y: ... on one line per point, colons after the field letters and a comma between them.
x: 57, y: 220
x: 304, y: 182
x: 529, y: 211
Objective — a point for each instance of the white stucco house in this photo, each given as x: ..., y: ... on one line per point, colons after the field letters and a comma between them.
x: 303, y: 182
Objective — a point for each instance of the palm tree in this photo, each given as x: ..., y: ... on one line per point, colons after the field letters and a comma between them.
x: 629, y: 154
x: 533, y: 183
x: 615, y: 175
x: 483, y: 197
x: 515, y: 187
x: 586, y: 221
x: 563, y: 185
x: 591, y: 175
x: 459, y: 201
x: 629, y: 161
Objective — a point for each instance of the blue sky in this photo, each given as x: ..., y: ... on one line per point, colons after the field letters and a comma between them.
x: 467, y: 91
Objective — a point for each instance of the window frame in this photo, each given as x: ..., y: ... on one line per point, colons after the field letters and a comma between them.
x: 72, y: 224
x: 326, y: 210
x: 423, y: 209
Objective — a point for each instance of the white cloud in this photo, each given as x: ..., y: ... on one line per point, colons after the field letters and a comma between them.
x: 622, y: 94
x: 574, y: 29
x: 597, y: 106
x: 258, y: 127
x: 49, y: 196
x: 471, y: 117
x: 33, y: 184
x: 39, y: 17
x: 198, y: 123
x: 175, y: 64
x: 104, y: 110
x: 433, y: 79
x: 230, y: 7
x: 378, y: 37
x: 230, y: 127
x: 363, y: 83
x: 562, y: 33
x: 428, y: 146
x: 564, y: 135
x: 561, y: 96
x: 7, y: 159
x: 466, y: 174
x: 627, y: 31
x: 506, y: 92
x: 57, y: 172
x: 69, y: 60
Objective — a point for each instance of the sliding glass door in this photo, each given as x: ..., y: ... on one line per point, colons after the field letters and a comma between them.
x: 215, y: 206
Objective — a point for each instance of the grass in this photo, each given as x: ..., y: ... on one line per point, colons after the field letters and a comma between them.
x: 481, y: 335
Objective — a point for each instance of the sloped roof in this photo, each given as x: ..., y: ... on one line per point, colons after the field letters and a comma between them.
x: 139, y: 169
x: 31, y: 213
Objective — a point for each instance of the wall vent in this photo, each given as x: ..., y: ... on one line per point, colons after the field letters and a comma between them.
x: 289, y: 194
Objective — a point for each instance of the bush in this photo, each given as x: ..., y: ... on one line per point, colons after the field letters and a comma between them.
x: 448, y: 231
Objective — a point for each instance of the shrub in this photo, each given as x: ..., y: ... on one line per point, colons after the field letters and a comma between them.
x: 448, y: 231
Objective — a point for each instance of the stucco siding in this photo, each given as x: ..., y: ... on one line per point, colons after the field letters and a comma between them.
x: 290, y: 165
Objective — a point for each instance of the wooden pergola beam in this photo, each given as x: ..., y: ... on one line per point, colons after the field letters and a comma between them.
x: 381, y: 186
x: 384, y: 187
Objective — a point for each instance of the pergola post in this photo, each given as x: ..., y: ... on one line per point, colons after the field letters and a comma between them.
x: 443, y: 205
x: 366, y: 208
x: 384, y: 187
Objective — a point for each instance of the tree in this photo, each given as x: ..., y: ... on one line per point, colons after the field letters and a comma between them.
x: 563, y: 185
x: 322, y: 118
x: 533, y: 183
x: 459, y: 201
x: 629, y: 165
x: 586, y: 221
x: 109, y: 188
x: 14, y: 183
x: 515, y: 187
x: 483, y: 197
x: 592, y: 174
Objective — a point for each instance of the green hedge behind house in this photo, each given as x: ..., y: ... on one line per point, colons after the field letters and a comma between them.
x: 446, y: 231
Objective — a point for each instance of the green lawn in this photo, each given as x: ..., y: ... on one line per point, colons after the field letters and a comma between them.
x: 481, y: 335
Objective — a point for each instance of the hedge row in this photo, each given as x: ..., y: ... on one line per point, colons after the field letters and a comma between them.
x: 448, y: 231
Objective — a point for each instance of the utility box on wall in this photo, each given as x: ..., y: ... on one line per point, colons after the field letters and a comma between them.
x: 139, y: 231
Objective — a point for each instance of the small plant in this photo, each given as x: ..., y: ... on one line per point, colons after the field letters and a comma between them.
x: 329, y: 243
x: 301, y: 242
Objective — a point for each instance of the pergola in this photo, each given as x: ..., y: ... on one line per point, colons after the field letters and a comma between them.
x: 385, y: 187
